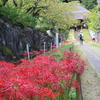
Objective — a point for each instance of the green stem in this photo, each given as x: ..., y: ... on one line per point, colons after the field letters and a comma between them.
x: 76, y: 95
x: 68, y: 90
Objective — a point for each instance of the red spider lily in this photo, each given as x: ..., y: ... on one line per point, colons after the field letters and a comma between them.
x: 26, y: 53
x: 54, y: 50
x: 42, y: 78
x: 76, y: 85
x: 46, y: 92
x: 54, y: 46
x: 97, y: 42
x: 36, y: 52
x: 42, y: 50
x: 68, y: 41
x: 46, y: 49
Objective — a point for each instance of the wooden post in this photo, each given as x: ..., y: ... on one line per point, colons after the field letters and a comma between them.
x: 44, y: 46
x: 72, y: 47
x: 79, y: 91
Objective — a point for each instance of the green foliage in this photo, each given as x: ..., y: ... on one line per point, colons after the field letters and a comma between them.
x: 93, y: 20
x: 58, y: 54
x: 71, y: 35
x: 66, y: 34
x: 73, y: 0
x: 17, y: 14
x: 86, y: 34
x: 89, y: 4
x: 28, y: 12
x: 54, y: 14
x: 61, y: 0
x: 28, y: 20
x: 9, y: 12
x: 58, y: 15
x: 94, y: 44
x: 73, y: 95
x: 7, y: 50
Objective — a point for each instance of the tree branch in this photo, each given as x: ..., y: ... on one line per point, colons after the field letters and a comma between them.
x: 15, y: 3
x: 4, y: 2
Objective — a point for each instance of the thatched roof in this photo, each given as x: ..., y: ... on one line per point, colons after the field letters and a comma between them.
x: 80, y: 12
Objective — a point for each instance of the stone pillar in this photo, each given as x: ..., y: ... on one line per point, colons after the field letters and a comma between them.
x: 27, y: 46
x: 57, y: 42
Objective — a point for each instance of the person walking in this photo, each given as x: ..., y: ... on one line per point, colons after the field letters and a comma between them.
x: 93, y: 38
x: 80, y: 37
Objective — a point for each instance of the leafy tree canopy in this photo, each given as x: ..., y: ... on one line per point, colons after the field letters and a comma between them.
x: 89, y: 4
x: 55, y: 14
x: 23, y: 11
x: 58, y: 15
x: 93, y: 20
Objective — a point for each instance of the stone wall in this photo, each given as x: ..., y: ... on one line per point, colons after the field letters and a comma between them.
x: 14, y: 37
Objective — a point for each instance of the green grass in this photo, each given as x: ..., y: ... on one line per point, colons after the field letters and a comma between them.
x: 58, y: 54
x: 84, y: 31
x: 71, y: 35
x: 67, y: 45
x: 86, y: 34
x: 78, y: 50
x: 93, y: 44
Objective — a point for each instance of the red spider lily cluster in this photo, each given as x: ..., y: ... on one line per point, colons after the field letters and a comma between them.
x: 40, y: 79
x: 54, y: 46
x: 94, y: 41
x: 33, y: 52
x: 68, y: 41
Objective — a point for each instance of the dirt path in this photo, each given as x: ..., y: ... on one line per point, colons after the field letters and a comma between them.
x: 76, y: 34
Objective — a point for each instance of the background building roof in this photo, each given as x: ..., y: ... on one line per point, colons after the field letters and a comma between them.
x: 80, y: 12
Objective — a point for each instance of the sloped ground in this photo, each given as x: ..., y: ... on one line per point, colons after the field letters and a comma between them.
x: 90, y: 83
x: 76, y: 34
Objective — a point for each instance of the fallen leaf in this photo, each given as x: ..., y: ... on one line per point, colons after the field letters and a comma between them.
x: 89, y: 82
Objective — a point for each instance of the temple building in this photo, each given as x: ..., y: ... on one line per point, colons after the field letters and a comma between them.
x: 80, y: 14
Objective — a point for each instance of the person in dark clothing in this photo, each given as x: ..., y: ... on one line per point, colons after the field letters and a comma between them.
x: 80, y: 37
